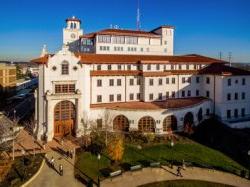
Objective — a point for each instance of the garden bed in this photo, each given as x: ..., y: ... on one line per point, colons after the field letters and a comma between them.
x: 22, y: 170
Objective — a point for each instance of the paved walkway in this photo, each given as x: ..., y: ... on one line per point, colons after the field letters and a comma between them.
x: 149, y: 175
x: 48, y: 177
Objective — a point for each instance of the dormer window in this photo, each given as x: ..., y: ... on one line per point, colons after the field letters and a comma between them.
x: 65, y: 68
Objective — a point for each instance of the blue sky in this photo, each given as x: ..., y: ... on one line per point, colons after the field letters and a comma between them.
x: 202, y: 26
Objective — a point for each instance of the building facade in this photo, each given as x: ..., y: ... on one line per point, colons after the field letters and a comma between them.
x: 7, y: 77
x: 123, y: 90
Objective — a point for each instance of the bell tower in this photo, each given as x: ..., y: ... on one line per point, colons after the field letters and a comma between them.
x: 72, y: 32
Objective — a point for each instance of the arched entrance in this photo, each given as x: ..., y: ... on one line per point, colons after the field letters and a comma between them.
x: 170, y: 123
x: 188, y: 122
x: 64, y: 118
x: 146, y: 124
x: 200, y: 115
x: 121, y: 123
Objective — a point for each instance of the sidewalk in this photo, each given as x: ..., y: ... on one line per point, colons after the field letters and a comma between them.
x: 48, y: 177
x: 149, y: 175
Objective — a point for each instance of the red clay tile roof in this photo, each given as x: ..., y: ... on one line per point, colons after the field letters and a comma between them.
x: 121, y: 32
x: 88, y: 58
x: 41, y: 60
x: 222, y: 69
x: 138, y: 105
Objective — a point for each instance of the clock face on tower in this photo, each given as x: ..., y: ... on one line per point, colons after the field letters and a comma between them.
x: 73, y: 36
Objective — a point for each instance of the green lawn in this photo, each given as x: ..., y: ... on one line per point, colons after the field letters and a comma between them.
x: 190, y: 151
x: 184, y: 183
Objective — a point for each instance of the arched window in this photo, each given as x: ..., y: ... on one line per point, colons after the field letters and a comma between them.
x: 65, y: 68
x: 121, y: 123
x: 146, y: 124
x: 71, y: 25
x: 74, y: 25
x: 170, y: 123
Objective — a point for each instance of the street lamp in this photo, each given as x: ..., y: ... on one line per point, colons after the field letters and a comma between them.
x: 14, y: 111
x: 98, y: 158
x: 172, y: 145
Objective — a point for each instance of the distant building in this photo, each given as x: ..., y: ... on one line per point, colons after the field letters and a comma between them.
x: 125, y: 79
x: 7, y: 77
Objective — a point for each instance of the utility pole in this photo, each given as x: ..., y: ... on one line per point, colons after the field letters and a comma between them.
x: 230, y: 58
x: 220, y: 55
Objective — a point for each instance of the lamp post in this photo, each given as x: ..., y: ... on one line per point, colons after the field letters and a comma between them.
x: 172, y: 145
x: 98, y: 179
x: 14, y: 111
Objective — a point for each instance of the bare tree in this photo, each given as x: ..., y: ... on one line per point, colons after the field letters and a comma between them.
x: 107, y: 120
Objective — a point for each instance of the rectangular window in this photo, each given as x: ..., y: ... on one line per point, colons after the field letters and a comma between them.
x: 207, y: 94
x: 197, y: 93
x: 236, y: 96
x: 138, y: 81
x: 167, y: 80
x: 243, y: 112
x: 236, y: 113
x: 243, y: 81
x: 228, y: 96
x: 99, y: 98
x: 207, y: 80
x: 151, y: 82
x: 119, y: 97
x: 119, y: 82
x: 111, y: 82
x: 138, y: 96
x: 99, y: 123
x: 167, y: 95
x: 229, y: 82
x: 131, y: 40
x: 118, y: 39
x: 179, y: 66
x: 104, y: 39
x: 151, y: 96
x: 111, y: 98
x: 119, y: 67
x: 195, y: 66
x: 183, y: 93
x: 129, y: 67
x: 207, y: 111
x: 189, y: 80
x: 99, y: 83
x: 149, y: 67
x: 131, y: 82
x: 187, y: 67
x: 243, y: 95
x: 99, y: 67
x: 172, y: 67
x: 228, y: 114
x: 65, y: 69
x: 160, y: 96
x: 173, y: 94
x: 131, y: 96
x: 189, y: 93
x: 183, y: 80
x: 173, y: 80
x: 160, y: 81
x: 197, y: 79
x: 64, y: 88
x: 158, y: 67
x: 109, y: 67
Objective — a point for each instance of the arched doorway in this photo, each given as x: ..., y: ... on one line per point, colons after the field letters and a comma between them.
x: 170, y: 123
x: 200, y: 115
x: 64, y: 118
x: 188, y: 122
x: 146, y: 124
x: 121, y: 123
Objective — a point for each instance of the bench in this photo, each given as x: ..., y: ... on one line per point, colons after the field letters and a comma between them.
x: 115, y: 173
x: 135, y: 168
x: 155, y: 164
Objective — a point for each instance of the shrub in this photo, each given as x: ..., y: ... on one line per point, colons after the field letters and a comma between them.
x: 115, y: 148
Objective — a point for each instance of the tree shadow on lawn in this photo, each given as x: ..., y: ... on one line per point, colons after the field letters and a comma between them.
x: 233, y: 142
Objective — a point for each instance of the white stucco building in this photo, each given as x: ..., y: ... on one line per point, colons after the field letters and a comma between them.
x: 132, y: 81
